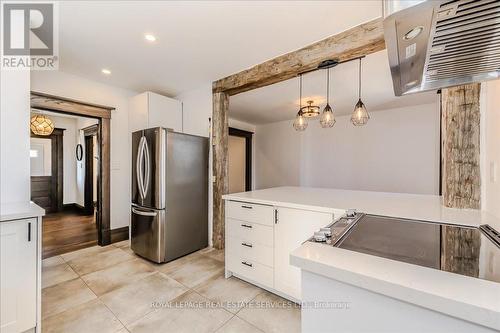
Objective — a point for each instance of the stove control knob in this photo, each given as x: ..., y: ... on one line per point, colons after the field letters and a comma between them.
x: 326, y: 231
x: 351, y: 212
x: 319, y: 236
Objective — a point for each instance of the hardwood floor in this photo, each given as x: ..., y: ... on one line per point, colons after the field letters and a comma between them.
x: 67, y: 231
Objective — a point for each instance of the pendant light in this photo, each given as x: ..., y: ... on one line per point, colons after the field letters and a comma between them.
x: 360, y: 115
x: 300, y: 123
x: 40, y: 124
x: 327, y: 117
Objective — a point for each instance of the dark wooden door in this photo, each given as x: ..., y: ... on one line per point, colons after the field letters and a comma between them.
x: 47, y: 191
x: 89, y: 175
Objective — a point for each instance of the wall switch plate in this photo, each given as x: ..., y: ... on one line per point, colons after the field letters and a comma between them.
x: 213, y: 179
x: 493, y: 171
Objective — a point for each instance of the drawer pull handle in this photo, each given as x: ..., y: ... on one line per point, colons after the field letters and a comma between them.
x: 29, y: 231
x: 247, y: 245
x: 247, y: 207
x: 246, y: 226
x: 247, y: 264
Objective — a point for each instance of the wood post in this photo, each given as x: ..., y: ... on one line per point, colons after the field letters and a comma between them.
x: 220, y: 164
x: 461, y: 181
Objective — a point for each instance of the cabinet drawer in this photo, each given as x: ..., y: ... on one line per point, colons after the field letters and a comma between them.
x: 251, y: 270
x: 257, y: 252
x: 250, y: 212
x: 250, y: 232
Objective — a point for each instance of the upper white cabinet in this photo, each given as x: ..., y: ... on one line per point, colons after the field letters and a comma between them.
x: 19, y: 275
x: 152, y: 110
x: 292, y: 228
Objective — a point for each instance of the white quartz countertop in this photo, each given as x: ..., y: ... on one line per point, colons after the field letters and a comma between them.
x: 17, y: 211
x: 471, y: 299
x: 467, y: 298
x: 411, y: 206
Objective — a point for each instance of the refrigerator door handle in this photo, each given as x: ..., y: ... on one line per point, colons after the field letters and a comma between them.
x: 138, y: 167
x: 140, y: 212
x: 147, y: 167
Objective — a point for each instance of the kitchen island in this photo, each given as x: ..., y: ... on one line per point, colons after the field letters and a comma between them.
x: 361, y: 292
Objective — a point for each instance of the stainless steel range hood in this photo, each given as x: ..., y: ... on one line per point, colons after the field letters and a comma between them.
x: 442, y: 43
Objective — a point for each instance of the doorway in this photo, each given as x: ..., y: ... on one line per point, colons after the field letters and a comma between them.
x: 62, y: 230
x: 240, y: 160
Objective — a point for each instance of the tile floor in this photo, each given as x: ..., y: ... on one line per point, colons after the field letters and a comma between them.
x: 110, y: 289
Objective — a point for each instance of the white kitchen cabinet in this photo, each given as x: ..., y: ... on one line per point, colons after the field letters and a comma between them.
x: 292, y: 228
x: 260, y: 238
x: 153, y: 110
x: 20, y: 263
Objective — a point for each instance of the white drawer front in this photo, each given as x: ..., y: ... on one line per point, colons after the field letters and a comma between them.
x: 250, y: 232
x: 257, y: 252
x: 250, y: 212
x: 252, y: 270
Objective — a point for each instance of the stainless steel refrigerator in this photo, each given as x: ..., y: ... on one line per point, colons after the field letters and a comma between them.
x: 169, y: 194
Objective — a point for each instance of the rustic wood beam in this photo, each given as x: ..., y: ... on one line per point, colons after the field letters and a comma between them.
x: 359, y: 41
x: 220, y: 164
x: 461, y: 181
x: 48, y: 102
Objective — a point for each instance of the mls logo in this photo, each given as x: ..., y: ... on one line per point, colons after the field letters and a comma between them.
x: 29, y: 38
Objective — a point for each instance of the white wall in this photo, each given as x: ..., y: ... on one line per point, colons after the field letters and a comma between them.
x: 278, y: 155
x: 490, y: 147
x: 71, y: 86
x: 398, y: 151
x: 14, y: 136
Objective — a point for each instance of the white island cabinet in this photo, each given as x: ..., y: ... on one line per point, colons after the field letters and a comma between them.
x: 259, y: 239
x: 20, y: 268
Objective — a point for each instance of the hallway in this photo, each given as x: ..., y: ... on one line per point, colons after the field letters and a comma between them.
x: 67, y: 231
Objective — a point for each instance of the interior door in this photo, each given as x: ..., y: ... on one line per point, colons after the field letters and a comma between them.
x: 293, y: 227
x: 18, y: 275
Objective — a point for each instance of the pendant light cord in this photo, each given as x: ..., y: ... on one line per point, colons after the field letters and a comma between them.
x: 328, y: 86
x: 300, y: 92
x: 359, y: 89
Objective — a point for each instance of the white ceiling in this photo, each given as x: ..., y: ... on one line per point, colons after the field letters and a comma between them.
x: 197, y: 42
x: 281, y: 101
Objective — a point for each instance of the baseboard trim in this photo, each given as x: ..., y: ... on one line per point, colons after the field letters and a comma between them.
x: 74, y: 206
x: 119, y: 234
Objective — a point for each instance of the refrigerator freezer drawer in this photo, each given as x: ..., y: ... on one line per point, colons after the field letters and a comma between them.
x: 147, y: 233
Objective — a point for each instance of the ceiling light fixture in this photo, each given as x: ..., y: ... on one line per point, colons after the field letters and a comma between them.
x: 300, y: 122
x: 150, y: 37
x: 360, y: 115
x: 105, y: 71
x: 40, y: 124
x: 310, y: 110
x: 327, y: 117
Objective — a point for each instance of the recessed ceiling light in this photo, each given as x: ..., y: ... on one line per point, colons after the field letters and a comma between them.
x: 150, y: 37
x: 105, y: 71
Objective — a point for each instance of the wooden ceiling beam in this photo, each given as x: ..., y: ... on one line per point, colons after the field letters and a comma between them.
x: 359, y: 41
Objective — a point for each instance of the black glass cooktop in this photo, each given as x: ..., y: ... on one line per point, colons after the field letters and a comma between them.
x: 458, y: 249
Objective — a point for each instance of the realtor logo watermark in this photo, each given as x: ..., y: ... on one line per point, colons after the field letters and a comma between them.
x: 29, y: 35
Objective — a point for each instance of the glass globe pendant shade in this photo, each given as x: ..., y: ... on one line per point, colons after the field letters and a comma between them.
x: 360, y: 115
x: 41, y: 125
x: 327, y: 119
x: 300, y: 123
